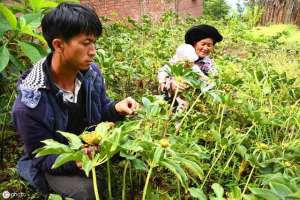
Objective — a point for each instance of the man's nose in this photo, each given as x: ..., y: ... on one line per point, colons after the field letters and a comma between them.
x: 92, y: 50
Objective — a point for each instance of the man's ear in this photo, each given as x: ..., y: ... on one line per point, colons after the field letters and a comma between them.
x: 58, y: 45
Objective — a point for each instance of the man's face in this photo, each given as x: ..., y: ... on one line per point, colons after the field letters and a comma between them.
x: 79, y: 51
x: 204, y: 47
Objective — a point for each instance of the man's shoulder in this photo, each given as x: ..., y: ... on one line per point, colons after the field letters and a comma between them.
x: 32, y: 101
x: 95, y: 68
x: 30, y: 85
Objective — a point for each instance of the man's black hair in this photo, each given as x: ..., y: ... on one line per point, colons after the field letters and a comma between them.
x: 68, y: 20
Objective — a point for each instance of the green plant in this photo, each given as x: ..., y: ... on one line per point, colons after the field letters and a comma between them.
x: 216, y: 9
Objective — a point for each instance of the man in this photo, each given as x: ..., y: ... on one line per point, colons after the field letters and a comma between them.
x: 64, y: 91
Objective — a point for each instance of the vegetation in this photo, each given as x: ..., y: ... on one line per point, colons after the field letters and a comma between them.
x: 238, y: 140
x: 216, y: 9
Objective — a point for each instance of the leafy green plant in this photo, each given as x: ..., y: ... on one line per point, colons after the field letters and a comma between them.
x: 78, y: 149
x: 19, y: 35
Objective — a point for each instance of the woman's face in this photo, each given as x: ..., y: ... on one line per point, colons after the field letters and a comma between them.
x: 204, y: 47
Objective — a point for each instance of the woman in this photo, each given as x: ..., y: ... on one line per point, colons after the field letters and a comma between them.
x: 203, y: 38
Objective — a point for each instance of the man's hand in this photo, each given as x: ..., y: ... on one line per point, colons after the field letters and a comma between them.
x: 127, y: 106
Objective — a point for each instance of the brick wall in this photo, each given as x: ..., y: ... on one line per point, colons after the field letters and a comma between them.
x: 137, y: 8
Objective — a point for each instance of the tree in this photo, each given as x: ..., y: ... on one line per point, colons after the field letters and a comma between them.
x: 216, y: 8
x: 279, y: 11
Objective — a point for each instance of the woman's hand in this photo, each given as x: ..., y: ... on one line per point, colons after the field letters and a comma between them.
x: 127, y: 106
x: 161, y: 87
x: 180, y: 86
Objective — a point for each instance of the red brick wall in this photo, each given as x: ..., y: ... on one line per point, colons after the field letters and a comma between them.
x: 136, y: 8
x: 190, y: 7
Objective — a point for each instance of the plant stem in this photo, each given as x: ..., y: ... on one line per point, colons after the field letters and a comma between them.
x: 124, y: 180
x: 173, y: 101
x: 178, y: 188
x: 188, y: 112
x: 95, y: 184
x: 170, y: 113
x: 146, y: 183
x: 212, y: 166
x: 109, y: 180
x: 248, y: 180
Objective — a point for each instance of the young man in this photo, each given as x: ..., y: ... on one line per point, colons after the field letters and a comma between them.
x: 64, y: 91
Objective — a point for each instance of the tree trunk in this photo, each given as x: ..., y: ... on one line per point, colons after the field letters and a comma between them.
x: 279, y: 11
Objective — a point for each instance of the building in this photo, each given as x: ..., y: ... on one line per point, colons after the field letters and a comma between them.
x: 137, y: 8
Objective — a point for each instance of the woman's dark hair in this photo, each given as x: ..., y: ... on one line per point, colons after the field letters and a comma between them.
x: 68, y: 20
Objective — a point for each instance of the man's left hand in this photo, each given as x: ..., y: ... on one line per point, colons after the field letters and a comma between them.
x: 127, y: 106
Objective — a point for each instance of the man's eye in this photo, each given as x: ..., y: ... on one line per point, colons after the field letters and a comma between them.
x: 87, y: 42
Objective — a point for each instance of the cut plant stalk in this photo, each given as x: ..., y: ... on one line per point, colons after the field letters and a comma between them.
x: 109, y: 180
x: 95, y: 184
x: 212, y: 166
x: 147, y: 182
x: 124, y: 180
x: 188, y: 112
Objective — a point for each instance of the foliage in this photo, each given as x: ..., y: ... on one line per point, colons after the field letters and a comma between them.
x: 252, y: 15
x: 216, y: 9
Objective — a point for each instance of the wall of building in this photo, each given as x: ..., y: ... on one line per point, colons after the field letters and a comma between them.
x: 137, y: 8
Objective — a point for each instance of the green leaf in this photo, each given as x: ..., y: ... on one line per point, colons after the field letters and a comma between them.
x: 146, y: 101
x: 54, y: 197
x: 48, y: 150
x: 30, y: 51
x: 4, y: 57
x: 218, y: 189
x: 197, y: 193
x: 66, y: 157
x: 157, y: 155
x: 264, y: 193
x: 87, y: 164
x: 33, y: 19
x: 49, y: 4
x: 242, y: 150
x: 103, y: 128
x: 36, y: 5
x: 235, y: 193
x: 10, y: 17
x: 130, y: 126
x: 138, y: 164
x: 193, y: 166
x: 74, y: 140
x: 16, y: 62
x: 4, y: 25
x: 176, y: 170
x: 27, y: 29
x: 293, y: 196
x: 52, y: 147
x: 116, y: 139
x: 280, y: 189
